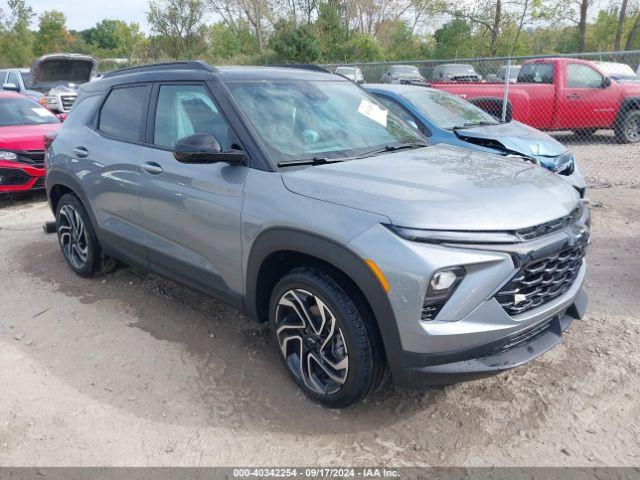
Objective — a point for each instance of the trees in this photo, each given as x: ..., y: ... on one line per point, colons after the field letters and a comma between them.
x: 52, y: 35
x: 454, y: 40
x: 332, y: 32
x: 178, y: 26
x: 363, y: 48
x: 16, y: 39
x: 294, y: 44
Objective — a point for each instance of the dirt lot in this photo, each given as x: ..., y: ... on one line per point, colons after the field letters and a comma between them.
x: 130, y: 369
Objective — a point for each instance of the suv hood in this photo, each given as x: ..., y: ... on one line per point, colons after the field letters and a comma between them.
x: 515, y: 137
x: 441, y: 187
x: 62, y: 69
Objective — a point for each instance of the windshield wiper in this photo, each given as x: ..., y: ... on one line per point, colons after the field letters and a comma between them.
x: 312, y: 161
x: 473, y: 124
x: 324, y: 160
x: 393, y: 148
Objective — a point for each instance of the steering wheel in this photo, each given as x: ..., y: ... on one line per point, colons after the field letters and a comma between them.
x: 310, y: 136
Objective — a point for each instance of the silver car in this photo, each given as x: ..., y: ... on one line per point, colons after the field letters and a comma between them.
x: 294, y: 196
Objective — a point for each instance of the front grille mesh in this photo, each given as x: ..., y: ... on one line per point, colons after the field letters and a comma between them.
x: 34, y: 158
x: 13, y: 176
x: 542, y: 281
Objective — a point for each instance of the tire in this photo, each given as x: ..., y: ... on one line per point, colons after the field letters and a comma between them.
x: 627, y: 128
x: 77, y: 239
x: 342, y: 356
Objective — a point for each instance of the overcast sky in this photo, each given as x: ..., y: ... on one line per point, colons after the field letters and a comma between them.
x: 82, y: 14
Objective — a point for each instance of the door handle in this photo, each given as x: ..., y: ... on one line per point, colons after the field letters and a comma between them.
x: 80, y: 152
x: 573, y: 96
x: 152, y: 167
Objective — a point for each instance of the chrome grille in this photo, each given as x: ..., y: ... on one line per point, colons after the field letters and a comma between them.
x: 541, y: 281
x: 67, y: 101
x: 13, y: 176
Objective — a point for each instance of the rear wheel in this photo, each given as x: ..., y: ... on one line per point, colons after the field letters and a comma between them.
x: 78, y: 240
x: 325, y: 338
x: 627, y: 128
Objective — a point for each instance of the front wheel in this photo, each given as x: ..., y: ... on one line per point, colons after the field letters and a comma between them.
x: 325, y: 337
x: 627, y: 129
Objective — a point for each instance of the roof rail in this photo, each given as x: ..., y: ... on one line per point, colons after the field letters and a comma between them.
x: 156, y: 67
x: 304, y: 66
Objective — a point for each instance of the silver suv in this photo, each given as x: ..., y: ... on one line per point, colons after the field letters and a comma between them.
x: 294, y: 196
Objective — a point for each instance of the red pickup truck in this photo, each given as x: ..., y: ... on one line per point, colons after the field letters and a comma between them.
x: 562, y: 94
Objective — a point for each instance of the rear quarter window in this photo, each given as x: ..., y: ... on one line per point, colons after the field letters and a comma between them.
x: 124, y: 112
x: 536, y: 73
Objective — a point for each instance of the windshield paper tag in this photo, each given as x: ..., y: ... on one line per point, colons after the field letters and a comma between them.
x: 373, y: 111
x: 43, y: 112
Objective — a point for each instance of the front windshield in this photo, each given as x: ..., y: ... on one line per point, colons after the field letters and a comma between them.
x: 406, y: 69
x: 460, y: 69
x: 448, y: 111
x: 302, y: 120
x: 23, y: 111
x: 616, y: 69
x: 345, y: 70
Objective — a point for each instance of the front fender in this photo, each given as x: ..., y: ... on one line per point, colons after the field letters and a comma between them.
x: 342, y: 259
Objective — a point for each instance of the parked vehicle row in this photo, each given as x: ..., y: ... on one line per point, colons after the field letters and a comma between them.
x: 548, y: 94
x: 298, y: 198
x: 562, y: 94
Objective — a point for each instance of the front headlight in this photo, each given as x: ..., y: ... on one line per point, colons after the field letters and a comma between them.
x: 4, y: 155
x: 49, y: 100
x: 565, y: 164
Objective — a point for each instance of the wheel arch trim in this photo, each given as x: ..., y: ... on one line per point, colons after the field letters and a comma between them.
x: 55, y: 178
x: 342, y: 259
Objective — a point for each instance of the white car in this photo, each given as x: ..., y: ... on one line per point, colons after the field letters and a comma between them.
x: 352, y: 73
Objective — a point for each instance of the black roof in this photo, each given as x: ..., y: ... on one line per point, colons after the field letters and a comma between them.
x: 196, y: 70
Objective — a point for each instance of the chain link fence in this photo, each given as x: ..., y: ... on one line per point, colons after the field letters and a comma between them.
x: 589, y: 101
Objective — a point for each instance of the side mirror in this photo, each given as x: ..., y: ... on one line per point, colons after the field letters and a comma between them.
x: 606, y: 82
x: 204, y: 148
x: 11, y: 87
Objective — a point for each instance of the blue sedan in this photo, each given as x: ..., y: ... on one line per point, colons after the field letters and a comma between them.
x: 449, y: 119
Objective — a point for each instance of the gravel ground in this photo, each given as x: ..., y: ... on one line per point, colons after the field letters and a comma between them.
x: 130, y: 369
x: 605, y: 162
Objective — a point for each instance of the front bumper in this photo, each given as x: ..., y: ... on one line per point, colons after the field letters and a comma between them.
x: 17, y: 177
x: 461, y: 341
x: 494, y: 357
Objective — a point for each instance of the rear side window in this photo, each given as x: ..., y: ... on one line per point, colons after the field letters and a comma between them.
x: 124, y: 113
x: 536, y: 73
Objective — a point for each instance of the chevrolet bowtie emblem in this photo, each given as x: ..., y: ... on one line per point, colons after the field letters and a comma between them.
x: 519, y: 298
